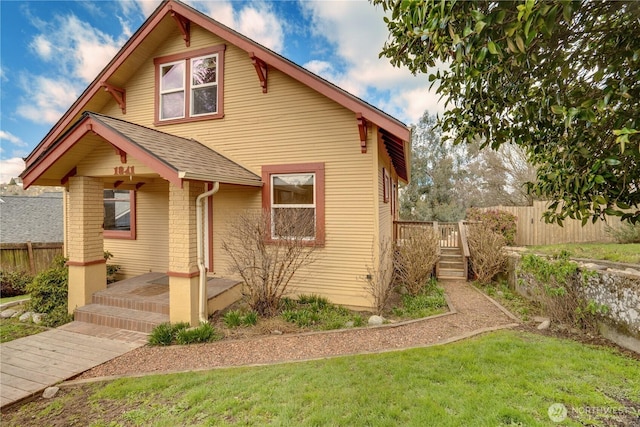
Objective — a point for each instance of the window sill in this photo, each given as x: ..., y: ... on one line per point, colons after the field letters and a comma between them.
x: 188, y: 119
x: 119, y: 235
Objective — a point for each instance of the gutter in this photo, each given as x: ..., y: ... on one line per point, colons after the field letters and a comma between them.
x: 200, y: 245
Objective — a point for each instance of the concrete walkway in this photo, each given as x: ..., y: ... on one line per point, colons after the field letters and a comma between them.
x: 31, y: 364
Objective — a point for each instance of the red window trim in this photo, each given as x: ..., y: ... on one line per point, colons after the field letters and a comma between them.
x: 318, y: 170
x: 186, y: 56
x: 126, y: 235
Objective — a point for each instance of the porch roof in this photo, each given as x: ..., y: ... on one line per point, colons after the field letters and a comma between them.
x: 174, y: 158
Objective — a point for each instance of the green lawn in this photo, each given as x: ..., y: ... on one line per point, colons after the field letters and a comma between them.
x: 11, y: 329
x: 629, y: 253
x: 506, y: 378
x: 16, y: 298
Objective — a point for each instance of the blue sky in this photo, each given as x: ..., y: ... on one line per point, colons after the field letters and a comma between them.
x: 51, y: 50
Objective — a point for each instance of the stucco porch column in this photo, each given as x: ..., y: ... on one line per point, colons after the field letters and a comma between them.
x: 85, y: 244
x: 183, y: 258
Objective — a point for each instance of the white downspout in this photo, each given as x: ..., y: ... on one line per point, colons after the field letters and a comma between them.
x: 200, y: 246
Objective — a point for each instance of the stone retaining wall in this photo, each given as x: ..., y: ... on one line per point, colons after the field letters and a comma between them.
x: 614, y: 286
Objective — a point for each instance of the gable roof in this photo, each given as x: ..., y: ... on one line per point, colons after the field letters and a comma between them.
x: 150, y: 33
x: 31, y: 219
x: 174, y: 158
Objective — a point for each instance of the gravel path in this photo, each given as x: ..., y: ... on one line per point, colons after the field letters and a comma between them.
x: 472, y: 311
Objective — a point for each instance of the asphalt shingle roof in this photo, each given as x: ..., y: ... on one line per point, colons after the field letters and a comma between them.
x: 34, y: 219
x: 184, y: 155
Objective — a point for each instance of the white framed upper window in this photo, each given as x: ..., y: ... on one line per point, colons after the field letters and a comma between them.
x: 189, y: 86
x: 204, y: 85
x: 172, y: 94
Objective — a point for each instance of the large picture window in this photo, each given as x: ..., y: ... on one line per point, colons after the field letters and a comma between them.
x: 119, y: 214
x: 189, y: 85
x: 294, y: 198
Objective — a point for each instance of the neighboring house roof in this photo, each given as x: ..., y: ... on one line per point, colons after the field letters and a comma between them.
x: 31, y: 219
x: 157, y: 150
x: 396, y: 134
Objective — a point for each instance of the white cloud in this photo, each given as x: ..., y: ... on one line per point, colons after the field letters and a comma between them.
x: 10, y: 168
x: 41, y: 46
x: 146, y: 6
x: 255, y: 20
x: 75, y: 52
x: 7, y: 136
x: 46, y: 99
x: 357, y: 31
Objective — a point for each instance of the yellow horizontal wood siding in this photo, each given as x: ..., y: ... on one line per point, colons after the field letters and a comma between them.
x: 103, y: 160
x: 289, y: 124
x: 150, y: 251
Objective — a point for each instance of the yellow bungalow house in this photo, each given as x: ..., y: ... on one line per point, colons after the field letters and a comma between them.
x: 190, y: 107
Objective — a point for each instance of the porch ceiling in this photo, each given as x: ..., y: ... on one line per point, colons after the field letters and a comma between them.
x: 172, y: 158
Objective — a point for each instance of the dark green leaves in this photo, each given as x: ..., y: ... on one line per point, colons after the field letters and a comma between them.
x: 560, y: 78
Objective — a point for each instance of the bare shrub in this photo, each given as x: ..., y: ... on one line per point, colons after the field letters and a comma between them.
x: 267, y: 263
x: 380, y: 278
x: 414, y: 259
x: 485, y: 247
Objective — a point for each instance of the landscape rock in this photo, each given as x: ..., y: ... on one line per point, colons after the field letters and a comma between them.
x: 9, y: 312
x: 26, y: 316
x: 37, y: 318
x: 50, y: 392
x: 593, y: 266
x: 349, y: 324
x: 544, y: 325
x: 540, y: 319
x: 276, y: 332
x: 18, y: 313
x: 376, y: 320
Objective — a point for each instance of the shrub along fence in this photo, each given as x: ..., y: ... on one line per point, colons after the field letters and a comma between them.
x: 30, y: 257
x: 532, y: 230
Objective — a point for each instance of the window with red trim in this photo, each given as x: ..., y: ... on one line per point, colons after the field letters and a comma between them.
x: 189, y: 86
x: 119, y: 214
x: 295, y: 192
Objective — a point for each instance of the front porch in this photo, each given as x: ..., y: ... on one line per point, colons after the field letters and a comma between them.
x: 142, y: 302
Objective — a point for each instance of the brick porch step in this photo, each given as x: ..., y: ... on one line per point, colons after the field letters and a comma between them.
x: 127, y: 301
x: 118, y: 317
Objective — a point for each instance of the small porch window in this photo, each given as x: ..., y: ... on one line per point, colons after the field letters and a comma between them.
x: 119, y: 214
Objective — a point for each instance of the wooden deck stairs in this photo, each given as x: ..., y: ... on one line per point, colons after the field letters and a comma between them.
x: 451, y: 265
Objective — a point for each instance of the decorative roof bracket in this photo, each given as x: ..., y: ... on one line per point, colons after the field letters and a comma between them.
x: 184, y: 25
x: 362, y: 129
x: 118, y: 94
x: 122, y: 154
x: 261, y: 69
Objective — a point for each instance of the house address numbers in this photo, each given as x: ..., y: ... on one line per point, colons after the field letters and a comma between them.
x: 121, y: 170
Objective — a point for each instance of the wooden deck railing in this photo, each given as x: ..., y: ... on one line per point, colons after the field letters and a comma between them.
x: 450, y: 235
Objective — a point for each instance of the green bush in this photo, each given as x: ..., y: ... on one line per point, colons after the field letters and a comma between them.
x: 426, y: 303
x: 501, y: 222
x: 317, y: 312
x: 49, y: 291
x: 14, y: 283
x: 234, y: 318
x: 180, y: 333
x: 200, y: 334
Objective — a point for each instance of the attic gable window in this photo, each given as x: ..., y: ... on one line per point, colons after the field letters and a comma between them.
x: 189, y: 86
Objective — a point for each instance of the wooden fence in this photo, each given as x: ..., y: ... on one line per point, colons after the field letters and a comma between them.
x: 30, y: 257
x: 532, y: 230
